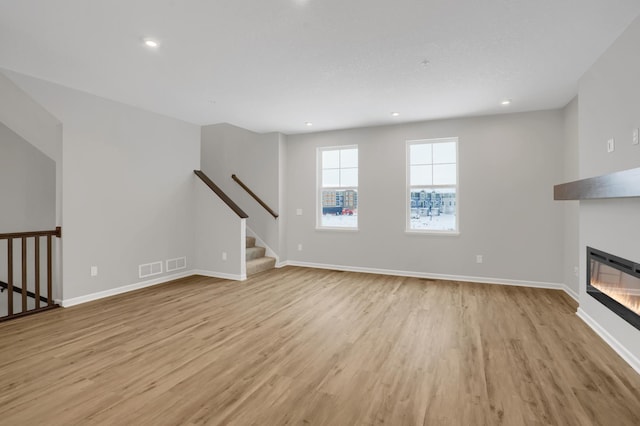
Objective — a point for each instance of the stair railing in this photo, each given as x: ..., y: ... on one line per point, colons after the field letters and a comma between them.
x: 255, y: 197
x: 220, y: 193
x: 22, y: 239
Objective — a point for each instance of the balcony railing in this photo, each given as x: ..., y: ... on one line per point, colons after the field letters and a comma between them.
x: 27, y: 272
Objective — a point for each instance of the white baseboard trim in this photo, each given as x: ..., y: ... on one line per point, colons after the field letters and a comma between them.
x: 631, y: 359
x: 124, y: 289
x: 223, y: 275
x: 571, y: 293
x: 65, y: 303
x: 483, y: 280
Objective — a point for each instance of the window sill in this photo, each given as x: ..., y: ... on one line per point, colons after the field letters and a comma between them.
x: 331, y: 229
x: 432, y: 233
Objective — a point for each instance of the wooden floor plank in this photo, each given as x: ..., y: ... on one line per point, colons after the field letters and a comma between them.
x: 315, y: 347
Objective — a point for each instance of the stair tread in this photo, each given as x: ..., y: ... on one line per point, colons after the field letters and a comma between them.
x: 263, y: 259
x: 260, y: 264
x: 254, y: 253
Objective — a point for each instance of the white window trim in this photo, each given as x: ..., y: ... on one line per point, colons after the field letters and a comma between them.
x: 319, y: 189
x: 408, y: 187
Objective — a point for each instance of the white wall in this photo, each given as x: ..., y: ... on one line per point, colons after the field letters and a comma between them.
x: 29, y: 119
x: 128, y: 187
x: 27, y: 185
x: 282, y: 206
x: 571, y: 208
x: 609, y: 107
x: 218, y: 230
x: 508, y: 165
x: 255, y: 159
x: 28, y: 194
x: 34, y: 124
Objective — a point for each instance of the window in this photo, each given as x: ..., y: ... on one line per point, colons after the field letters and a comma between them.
x: 338, y: 187
x: 432, y: 185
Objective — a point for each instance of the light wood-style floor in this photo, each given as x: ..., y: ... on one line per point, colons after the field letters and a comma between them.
x: 300, y: 346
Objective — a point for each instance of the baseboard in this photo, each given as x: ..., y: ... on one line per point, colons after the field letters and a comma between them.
x: 124, y: 289
x: 571, y: 293
x: 630, y: 358
x: 212, y: 274
x: 484, y: 280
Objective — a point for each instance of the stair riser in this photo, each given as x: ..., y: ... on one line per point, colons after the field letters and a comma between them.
x: 254, y: 253
x: 250, y: 242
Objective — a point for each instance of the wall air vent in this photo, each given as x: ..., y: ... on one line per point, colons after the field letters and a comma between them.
x: 150, y: 269
x: 177, y: 263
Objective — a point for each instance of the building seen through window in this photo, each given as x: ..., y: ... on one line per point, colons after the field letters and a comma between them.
x: 338, y: 187
x: 432, y: 185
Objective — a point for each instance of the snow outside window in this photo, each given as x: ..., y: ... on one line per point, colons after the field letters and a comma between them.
x: 432, y: 186
x: 338, y: 187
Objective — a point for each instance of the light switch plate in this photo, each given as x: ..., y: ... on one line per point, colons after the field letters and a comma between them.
x: 611, y: 145
x: 635, y: 137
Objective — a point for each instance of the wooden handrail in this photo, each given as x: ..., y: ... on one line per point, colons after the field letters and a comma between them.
x: 255, y: 197
x: 26, y: 268
x: 56, y: 233
x: 220, y: 193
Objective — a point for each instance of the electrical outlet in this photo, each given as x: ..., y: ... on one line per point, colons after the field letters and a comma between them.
x: 635, y: 139
x: 479, y: 258
x: 94, y: 271
x: 576, y: 271
x: 299, y: 247
x: 611, y: 145
x: 224, y: 255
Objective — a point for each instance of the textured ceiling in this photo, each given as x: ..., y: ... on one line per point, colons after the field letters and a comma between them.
x: 272, y: 65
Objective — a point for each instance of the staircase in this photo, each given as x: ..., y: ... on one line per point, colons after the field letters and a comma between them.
x: 255, y: 258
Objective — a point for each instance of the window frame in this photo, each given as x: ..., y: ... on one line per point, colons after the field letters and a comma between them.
x: 320, y: 188
x: 409, y: 187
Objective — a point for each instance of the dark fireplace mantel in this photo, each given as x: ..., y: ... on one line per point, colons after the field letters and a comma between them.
x: 622, y: 184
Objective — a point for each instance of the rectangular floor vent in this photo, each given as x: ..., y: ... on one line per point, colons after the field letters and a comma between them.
x: 177, y: 263
x: 150, y: 269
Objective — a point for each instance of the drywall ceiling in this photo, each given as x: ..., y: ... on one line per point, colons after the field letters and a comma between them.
x: 273, y: 65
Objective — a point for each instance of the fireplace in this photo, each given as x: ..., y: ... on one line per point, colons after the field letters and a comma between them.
x: 615, y: 282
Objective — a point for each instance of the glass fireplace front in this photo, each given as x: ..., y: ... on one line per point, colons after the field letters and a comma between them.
x: 615, y: 282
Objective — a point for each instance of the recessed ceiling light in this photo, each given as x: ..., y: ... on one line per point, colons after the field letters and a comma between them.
x: 506, y: 102
x: 151, y: 43
x: 425, y: 63
x: 395, y: 114
x: 308, y: 123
